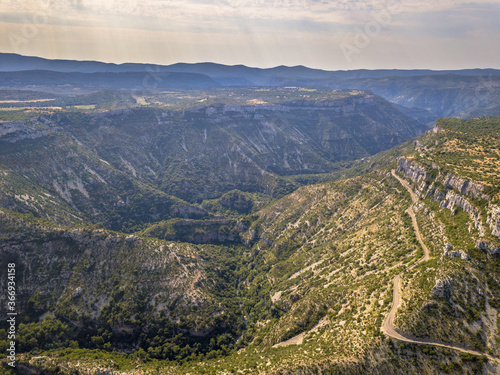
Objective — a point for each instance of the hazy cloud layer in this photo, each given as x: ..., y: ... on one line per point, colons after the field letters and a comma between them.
x: 329, y: 34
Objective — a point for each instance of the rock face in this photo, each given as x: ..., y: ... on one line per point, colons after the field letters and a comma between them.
x: 69, y: 274
x: 411, y: 170
x: 457, y: 254
x: 448, y: 246
x: 466, y: 187
x: 486, y: 246
x: 449, y: 252
x: 14, y: 132
x: 439, y: 196
x: 449, y: 198
x: 453, y: 200
x: 417, y: 173
x: 494, y: 220
x: 442, y: 289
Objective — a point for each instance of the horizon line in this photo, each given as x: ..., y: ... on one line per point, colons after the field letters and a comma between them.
x: 243, y: 65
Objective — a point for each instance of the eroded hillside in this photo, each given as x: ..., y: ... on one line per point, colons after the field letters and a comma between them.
x: 312, y: 282
x: 130, y: 167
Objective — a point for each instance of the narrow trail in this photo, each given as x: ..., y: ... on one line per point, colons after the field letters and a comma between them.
x: 388, y: 327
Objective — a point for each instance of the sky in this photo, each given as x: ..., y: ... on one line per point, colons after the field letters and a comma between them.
x: 331, y: 35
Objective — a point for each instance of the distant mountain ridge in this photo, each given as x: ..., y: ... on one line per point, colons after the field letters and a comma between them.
x: 423, y: 94
x: 13, y: 62
x: 122, y: 80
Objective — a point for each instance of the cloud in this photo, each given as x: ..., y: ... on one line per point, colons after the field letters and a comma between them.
x: 256, y: 32
x: 225, y: 12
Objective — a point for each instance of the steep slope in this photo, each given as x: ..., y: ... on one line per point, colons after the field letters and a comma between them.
x: 203, y: 152
x: 440, y: 95
x: 455, y: 172
x: 49, y: 173
x: 315, y: 280
x: 309, y: 291
x: 96, y: 289
x: 328, y: 257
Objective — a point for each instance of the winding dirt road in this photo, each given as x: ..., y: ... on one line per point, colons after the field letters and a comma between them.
x: 388, y: 327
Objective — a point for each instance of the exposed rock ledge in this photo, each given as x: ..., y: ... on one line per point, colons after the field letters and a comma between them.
x: 486, y: 246
x: 449, y: 252
x: 466, y: 187
x: 453, y: 200
x: 14, y: 132
x: 417, y: 173
x: 494, y: 220
x: 457, y: 254
x: 442, y: 289
x: 411, y: 170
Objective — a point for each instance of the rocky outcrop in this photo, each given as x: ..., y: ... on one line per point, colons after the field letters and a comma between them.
x: 431, y: 191
x: 423, y: 189
x: 412, y: 170
x: 449, y: 252
x: 442, y: 289
x: 14, y: 132
x: 457, y: 254
x: 448, y: 198
x: 494, y: 220
x: 453, y: 200
x: 466, y: 187
x: 439, y: 196
x: 486, y: 246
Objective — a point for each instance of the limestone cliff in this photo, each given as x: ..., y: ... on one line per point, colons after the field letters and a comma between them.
x: 465, y: 187
x: 453, y: 200
x: 412, y: 170
x: 494, y: 220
